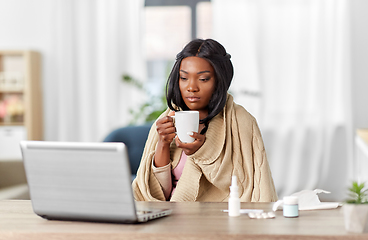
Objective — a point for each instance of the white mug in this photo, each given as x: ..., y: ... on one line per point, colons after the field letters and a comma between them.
x: 186, y: 122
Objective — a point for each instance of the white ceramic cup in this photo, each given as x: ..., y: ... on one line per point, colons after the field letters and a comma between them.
x: 186, y: 122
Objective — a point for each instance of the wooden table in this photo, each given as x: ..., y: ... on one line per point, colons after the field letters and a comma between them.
x: 188, y: 221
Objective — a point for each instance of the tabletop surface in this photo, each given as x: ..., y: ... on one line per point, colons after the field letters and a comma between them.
x: 188, y: 221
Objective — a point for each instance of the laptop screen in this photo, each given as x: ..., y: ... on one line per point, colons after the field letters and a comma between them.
x: 79, y: 181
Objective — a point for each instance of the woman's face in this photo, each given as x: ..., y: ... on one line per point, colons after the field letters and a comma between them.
x: 196, y: 83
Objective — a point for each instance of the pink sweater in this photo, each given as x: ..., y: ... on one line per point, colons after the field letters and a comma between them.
x: 169, y: 178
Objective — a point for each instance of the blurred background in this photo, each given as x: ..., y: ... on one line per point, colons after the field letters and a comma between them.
x: 300, y: 69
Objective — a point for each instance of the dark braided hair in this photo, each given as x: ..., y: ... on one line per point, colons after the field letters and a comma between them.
x: 216, y: 55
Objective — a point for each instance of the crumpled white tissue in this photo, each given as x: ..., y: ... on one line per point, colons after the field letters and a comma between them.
x: 308, y: 200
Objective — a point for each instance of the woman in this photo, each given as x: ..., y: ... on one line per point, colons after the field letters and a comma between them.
x: 228, y: 141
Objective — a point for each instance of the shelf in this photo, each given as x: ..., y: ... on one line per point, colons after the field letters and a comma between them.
x: 20, y: 101
x: 2, y: 124
x: 11, y: 91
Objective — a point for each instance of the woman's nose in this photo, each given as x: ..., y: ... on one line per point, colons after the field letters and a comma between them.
x: 192, y: 86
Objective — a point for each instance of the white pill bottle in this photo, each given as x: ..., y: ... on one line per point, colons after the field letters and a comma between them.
x: 234, y: 200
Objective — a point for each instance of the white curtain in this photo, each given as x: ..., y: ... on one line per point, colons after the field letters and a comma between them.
x: 95, y: 43
x: 291, y: 59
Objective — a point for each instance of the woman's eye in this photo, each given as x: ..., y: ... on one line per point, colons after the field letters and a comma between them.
x: 183, y: 78
x: 204, y: 79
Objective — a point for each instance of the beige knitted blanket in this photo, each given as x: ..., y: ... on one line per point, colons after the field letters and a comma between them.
x: 233, y: 146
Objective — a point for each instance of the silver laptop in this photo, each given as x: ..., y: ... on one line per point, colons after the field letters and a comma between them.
x: 82, y: 182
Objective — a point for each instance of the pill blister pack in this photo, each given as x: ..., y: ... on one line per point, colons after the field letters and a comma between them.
x: 263, y: 215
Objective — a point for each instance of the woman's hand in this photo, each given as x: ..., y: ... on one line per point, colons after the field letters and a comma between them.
x: 166, y: 129
x: 166, y: 133
x: 190, y: 148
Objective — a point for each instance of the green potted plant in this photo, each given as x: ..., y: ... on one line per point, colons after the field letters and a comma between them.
x: 356, y: 208
x: 150, y: 110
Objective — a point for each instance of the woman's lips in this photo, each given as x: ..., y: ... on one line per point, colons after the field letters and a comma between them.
x: 193, y: 99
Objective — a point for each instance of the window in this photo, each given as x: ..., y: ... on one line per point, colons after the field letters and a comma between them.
x: 169, y: 25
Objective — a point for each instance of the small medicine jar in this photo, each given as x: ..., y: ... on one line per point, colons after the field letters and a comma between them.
x: 291, y: 206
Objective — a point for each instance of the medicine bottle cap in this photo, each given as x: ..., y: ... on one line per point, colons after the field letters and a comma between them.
x: 291, y: 200
x: 234, y: 182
